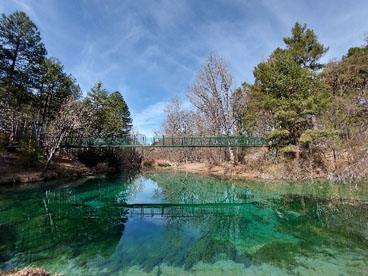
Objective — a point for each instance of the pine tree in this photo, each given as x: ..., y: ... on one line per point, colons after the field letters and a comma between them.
x: 54, y: 89
x: 287, y: 93
x: 22, y: 51
x: 118, y: 120
x: 304, y: 47
x: 112, y: 116
x: 97, y: 99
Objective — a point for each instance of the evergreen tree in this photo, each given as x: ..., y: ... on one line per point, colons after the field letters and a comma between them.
x: 54, y: 89
x: 287, y: 93
x: 22, y: 53
x: 112, y: 116
x: 118, y: 120
x: 304, y: 47
x: 96, y: 99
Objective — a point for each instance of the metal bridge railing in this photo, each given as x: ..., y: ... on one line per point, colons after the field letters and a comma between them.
x: 165, y: 141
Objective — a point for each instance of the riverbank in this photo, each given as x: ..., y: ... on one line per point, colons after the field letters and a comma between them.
x: 254, y: 166
x: 277, y: 171
x: 12, y: 172
x: 282, y: 169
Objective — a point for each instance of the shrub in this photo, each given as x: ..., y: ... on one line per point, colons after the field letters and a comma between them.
x: 277, y: 133
x: 289, y: 149
x: 310, y: 135
x: 111, y: 158
x: 89, y: 157
x: 29, y: 160
x: 31, y: 157
x: 117, y: 158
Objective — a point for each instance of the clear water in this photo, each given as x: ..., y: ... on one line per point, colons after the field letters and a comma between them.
x: 185, y: 224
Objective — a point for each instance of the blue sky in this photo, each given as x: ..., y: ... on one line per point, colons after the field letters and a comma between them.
x: 150, y: 50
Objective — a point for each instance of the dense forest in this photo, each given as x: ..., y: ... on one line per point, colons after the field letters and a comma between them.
x: 41, y: 103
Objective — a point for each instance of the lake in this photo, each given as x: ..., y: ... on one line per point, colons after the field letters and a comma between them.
x: 185, y: 224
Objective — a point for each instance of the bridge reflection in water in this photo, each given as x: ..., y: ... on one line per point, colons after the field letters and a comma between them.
x: 151, y: 210
x: 184, y: 210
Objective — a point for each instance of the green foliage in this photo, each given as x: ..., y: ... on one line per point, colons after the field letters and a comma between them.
x: 304, y: 47
x: 277, y: 133
x: 54, y: 89
x: 30, y: 158
x: 312, y: 134
x: 287, y: 93
x: 22, y: 53
x: 112, y: 116
x: 34, y: 88
x: 347, y: 82
x: 289, y: 149
x: 118, y: 121
x: 357, y: 51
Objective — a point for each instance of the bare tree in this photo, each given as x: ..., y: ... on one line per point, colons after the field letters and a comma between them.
x: 180, y: 121
x: 212, y: 94
x: 74, y: 116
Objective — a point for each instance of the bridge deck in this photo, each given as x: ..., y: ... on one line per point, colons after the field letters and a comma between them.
x: 164, y: 141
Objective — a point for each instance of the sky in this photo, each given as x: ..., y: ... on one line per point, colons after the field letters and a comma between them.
x: 151, y: 50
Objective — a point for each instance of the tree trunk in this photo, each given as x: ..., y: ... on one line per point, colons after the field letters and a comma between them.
x: 314, y: 122
x: 11, y: 74
x: 53, y: 149
x: 297, y: 152
x: 231, y: 153
x: 45, y: 109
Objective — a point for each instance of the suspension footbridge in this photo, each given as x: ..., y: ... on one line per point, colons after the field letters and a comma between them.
x: 135, y: 141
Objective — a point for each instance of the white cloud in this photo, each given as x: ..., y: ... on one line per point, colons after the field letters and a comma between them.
x: 146, y: 121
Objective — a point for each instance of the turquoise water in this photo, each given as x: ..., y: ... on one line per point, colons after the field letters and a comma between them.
x: 185, y: 224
